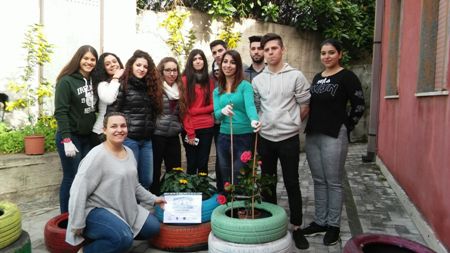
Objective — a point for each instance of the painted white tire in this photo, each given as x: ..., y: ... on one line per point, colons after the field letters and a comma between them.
x: 283, y: 245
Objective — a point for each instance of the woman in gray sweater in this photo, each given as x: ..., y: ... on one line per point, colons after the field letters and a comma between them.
x: 103, y: 198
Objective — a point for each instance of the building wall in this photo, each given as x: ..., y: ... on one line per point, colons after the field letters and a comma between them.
x: 413, y: 138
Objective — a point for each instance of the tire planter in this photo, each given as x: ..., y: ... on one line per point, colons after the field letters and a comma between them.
x: 371, y: 243
x: 249, y: 231
x: 10, y: 223
x: 282, y: 245
x: 208, y: 206
x: 182, y: 238
x: 55, y: 235
x: 21, y: 245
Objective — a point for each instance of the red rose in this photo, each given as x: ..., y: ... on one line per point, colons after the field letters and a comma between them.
x: 221, y: 199
x: 227, y: 186
x: 246, y: 156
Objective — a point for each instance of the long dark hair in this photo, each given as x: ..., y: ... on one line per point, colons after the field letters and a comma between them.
x: 74, y: 64
x: 151, y: 79
x: 238, y: 75
x: 194, y: 77
x: 99, y: 73
x: 178, y: 81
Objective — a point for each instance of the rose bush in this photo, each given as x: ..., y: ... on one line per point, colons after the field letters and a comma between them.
x: 250, y: 184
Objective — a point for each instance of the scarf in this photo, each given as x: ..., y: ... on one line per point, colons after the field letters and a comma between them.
x: 171, y: 91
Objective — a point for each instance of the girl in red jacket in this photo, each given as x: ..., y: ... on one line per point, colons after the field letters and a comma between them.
x: 198, y: 121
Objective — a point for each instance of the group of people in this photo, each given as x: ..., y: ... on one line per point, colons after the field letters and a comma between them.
x: 118, y: 123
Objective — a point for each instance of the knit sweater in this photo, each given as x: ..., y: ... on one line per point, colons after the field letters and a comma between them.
x: 198, y: 115
x: 278, y: 97
x: 74, y: 105
x: 243, y: 108
x: 107, y: 94
x: 105, y: 181
x: 329, y: 98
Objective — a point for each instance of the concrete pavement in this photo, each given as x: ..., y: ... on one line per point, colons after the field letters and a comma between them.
x: 370, y: 205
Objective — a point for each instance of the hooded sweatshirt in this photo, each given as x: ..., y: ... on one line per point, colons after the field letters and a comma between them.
x: 278, y: 97
x: 74, y: 105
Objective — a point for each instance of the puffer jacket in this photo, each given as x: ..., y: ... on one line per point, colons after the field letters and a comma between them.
x: 137, y: 105
x: 168, y: 123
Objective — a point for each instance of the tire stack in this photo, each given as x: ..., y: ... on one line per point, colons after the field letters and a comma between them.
x: 12, y: 238
x: 185, y: 237
x: 55, y: 235
x: 268, y: 235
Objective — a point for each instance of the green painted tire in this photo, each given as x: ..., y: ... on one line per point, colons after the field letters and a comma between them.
x: 248, y: 231
x: 10, y: 223
x: 21, y: 245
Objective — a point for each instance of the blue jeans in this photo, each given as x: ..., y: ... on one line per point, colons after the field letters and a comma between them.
x: 241, y: 143
x: 109, y: 234
x: 326, y: 158
x: 143, y: 152
x: 198, y: 156
x: 70, y: 165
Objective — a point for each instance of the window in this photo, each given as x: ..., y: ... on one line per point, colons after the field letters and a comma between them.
x: 393, y: 50
x: 433, y: 58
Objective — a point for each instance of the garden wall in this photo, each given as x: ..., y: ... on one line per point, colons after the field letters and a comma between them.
x: 26, y: 179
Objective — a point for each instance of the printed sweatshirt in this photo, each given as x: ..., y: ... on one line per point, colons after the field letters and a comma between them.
x: 329, y: 98
x: 74, y: 105
x: 278, y: 97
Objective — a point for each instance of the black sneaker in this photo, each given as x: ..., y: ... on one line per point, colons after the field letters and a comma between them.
x: 332, y: 236
x: 314, y: 229
x: 300, y: 239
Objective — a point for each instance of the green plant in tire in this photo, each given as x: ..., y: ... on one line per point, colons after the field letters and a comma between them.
x: 177, y: 180
x: 251, y: 182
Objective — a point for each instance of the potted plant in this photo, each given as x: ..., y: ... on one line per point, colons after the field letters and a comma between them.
x: 177, y: 180
x: 236, y: 225
x: 31, y: 94
x: 186, y: 237
x: 250, y: 184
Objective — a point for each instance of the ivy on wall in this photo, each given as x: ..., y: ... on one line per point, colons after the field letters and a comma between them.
x: 351, y: 21
x: 180, y: 44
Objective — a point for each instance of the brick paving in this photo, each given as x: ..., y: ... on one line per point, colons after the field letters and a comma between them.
x: 370, y: 205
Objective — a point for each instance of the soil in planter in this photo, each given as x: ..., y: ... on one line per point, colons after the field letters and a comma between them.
x: 259, y: 213
x: 63, y: 224
x: 384, y: 248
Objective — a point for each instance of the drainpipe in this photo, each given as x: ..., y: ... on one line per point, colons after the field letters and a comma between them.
x: 375, y: 87
x: 40, y: 68
x: 102, y: 26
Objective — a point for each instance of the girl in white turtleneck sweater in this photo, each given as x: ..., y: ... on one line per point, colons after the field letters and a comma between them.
x: 106, y: 85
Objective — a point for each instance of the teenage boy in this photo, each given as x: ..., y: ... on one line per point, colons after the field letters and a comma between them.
x: 257, y: 55
x: 218, y: 49
x: 282, y: 98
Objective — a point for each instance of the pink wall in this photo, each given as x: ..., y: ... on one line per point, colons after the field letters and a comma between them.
x: 414, y: 133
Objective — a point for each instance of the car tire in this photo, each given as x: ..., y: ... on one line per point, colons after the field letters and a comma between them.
x: 249, y: 231
x: 10, y: 223
x: 55, y: 235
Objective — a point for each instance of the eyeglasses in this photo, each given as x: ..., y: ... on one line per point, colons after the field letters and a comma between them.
x: 170, y: 70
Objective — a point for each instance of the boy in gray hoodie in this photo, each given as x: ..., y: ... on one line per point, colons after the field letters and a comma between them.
x: 282, y: 99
